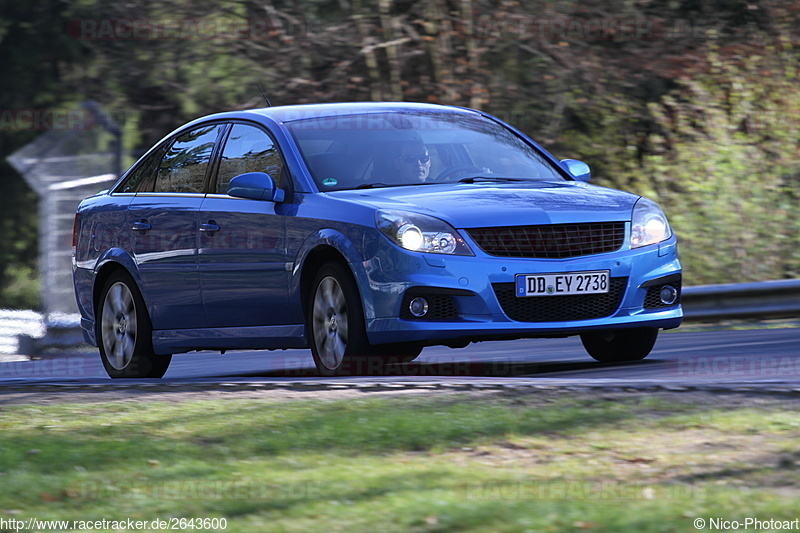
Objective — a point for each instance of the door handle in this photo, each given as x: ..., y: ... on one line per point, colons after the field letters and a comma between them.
x: 142, y: 225
x: 209, y: 228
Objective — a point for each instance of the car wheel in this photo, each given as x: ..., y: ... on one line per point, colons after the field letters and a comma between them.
x: 620, y: 345
x: 124, y: 332
x: 336, y: 327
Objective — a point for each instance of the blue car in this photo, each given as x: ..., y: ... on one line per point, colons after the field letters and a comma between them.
x: 365, y: 232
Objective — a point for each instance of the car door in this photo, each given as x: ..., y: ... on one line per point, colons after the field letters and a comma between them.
x: 243, y: 263
x: 164, y: 226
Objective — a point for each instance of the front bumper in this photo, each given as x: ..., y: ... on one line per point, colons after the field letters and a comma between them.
x: 472, y: 284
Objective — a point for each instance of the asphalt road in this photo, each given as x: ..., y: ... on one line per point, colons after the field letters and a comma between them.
x: 762, y: 356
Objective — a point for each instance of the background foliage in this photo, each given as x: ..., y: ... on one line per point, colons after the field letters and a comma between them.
x: 698, y: 110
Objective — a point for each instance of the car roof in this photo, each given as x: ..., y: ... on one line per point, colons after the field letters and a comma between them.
x: 292, y: 113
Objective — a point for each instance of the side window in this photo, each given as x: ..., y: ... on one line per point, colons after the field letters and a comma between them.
x: 183, y: 167
x: 249, y: 149
x: 143, y: 176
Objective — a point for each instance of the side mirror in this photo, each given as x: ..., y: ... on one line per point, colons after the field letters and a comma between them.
x: 578, y: 169
x: 256, y: 186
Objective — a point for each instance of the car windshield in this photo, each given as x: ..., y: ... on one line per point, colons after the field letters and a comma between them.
x: 415, y: 148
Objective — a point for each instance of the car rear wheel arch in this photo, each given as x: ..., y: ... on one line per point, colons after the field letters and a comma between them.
x: 124, y: 331
x: 100, y: 279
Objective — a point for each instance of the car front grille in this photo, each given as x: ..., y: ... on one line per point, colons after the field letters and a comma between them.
x: 555, y: 241
x: 560, y: 308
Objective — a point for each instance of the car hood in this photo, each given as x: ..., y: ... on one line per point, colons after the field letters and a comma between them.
x: 473, y: 205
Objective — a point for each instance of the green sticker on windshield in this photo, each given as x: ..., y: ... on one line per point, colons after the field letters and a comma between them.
x: 330, y: 182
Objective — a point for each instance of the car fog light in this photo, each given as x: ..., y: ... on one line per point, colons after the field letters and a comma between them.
x: 669, y: 294
x: 418, y: 307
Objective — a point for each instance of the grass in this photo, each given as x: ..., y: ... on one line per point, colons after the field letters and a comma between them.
x: 430, y: 463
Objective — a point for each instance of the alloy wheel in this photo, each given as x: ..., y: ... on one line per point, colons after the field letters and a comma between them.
x: 330, y: 322
x: 119, y: 326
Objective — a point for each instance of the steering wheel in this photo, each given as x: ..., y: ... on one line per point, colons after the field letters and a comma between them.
x: 452, y: 172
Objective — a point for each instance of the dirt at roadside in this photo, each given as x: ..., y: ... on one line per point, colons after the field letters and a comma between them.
x: 530, y: 396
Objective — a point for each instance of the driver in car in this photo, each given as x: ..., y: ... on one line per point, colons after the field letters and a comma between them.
x: 413, y: 163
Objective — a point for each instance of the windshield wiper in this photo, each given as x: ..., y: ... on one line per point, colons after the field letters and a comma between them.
x: 372, y: 185
x: 378, y: 185
x: 473, y: 179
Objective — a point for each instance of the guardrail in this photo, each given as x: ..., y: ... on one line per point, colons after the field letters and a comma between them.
x: 15, y: 323
x: 30, y: 333
x: 761, y: 299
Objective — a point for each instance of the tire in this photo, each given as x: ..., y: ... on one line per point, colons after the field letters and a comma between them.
x: 124, y: 332
x: 336, y: 330
x: 620, y: 345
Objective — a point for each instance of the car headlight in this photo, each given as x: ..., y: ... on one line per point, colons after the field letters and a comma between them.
x: 421, y: 233
x: 648, y: 224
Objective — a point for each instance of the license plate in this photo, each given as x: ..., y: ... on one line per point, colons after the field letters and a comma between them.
x: 566, y: 283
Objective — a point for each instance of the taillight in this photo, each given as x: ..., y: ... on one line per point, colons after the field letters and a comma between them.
x: 75, y: 227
